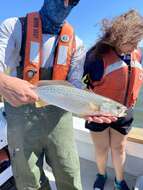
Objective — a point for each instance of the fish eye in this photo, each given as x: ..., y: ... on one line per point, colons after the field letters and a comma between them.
x: 118, y: 107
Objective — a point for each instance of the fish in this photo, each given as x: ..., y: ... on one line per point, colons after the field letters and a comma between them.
x: 80, y: 102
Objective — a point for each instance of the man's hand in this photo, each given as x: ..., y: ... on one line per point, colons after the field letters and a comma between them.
x: 101, y: 119
x: 16, y: 91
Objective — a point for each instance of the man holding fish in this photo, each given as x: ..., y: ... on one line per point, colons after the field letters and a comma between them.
x: 28, y: 46
x: 31, y: 49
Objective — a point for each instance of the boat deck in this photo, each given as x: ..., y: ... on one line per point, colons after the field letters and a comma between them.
x: 88, y: 174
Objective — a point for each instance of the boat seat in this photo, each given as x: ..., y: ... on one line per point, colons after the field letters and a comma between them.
x: 136, y: 135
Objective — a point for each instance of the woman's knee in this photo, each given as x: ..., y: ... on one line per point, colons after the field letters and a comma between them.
x: 102, y: 148
x: 118, y: 147
x: 101, y: 141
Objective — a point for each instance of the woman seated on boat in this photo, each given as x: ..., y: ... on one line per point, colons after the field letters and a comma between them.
x: 113, y: 69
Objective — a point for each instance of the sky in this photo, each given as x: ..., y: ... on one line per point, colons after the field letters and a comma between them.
x: 85, y: 18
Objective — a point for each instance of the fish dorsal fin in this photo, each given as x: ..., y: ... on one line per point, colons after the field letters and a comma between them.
x: 53, y: 82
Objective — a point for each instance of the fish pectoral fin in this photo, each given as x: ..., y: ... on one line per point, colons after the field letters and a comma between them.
x: 53, y: 82
x: 94, y: 107
x: 40, y: 103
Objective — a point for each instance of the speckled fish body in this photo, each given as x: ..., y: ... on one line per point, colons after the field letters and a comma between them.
x: 80, y: 102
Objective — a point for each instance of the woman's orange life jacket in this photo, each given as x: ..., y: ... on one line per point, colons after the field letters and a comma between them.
x: 33, y: 50
x: 3, y: 156
x: 120, y: 82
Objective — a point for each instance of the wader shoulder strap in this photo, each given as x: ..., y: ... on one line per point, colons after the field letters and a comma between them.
x: 23, y: 21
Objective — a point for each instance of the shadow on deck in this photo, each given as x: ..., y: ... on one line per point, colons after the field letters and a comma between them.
x: 88, y: 174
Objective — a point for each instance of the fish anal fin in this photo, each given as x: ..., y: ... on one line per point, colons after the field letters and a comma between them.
x: 40, y: 103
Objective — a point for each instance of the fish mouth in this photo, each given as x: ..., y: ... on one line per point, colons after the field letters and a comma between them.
x: 122, y: 112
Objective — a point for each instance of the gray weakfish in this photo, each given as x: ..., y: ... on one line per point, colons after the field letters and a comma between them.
x: 77, y: 101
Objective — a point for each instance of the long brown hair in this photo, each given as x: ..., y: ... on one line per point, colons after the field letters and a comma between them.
x: 126, y: 29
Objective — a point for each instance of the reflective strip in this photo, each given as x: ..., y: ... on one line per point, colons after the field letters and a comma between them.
x: 114, y: 67
x: 136, y: 64
x: 121, y: 64
x: 62, y: 55
x: 34, y: 52
x: 3, y: 128
x: 5, y: 175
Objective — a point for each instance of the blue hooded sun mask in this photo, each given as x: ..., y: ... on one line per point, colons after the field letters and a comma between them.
x: 53, y: 13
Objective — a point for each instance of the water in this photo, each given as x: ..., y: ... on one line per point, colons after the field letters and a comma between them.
x: 138, y: 112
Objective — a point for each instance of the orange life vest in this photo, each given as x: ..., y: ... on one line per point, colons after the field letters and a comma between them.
x: 33, y: 50
x: 120, y: 81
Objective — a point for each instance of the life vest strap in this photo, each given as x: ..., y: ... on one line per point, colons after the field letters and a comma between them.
x: 65, y: 49
x: 33, y: 50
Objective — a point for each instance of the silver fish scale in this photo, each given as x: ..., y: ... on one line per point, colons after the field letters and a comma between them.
x: 79, y: 101
x: 62, y: 90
